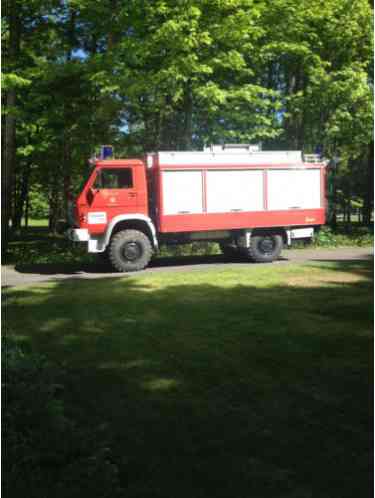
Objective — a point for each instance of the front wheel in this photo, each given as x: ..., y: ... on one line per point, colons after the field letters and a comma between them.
x: 265, y: 248
x: 130, y: 250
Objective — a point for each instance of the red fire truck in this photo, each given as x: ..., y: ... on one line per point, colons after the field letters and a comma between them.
x: 249, y: 201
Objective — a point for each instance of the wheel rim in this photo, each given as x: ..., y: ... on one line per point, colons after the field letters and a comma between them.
x: 267, y: 245
x: 132, y: 251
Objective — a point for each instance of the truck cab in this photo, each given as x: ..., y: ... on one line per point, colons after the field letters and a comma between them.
x: 114, y: 200
x: 115, y: 187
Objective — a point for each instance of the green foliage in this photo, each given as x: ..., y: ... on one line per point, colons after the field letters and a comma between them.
x: 10, y: 80
x: 40, y: 247
x: 46, y: 452
x: 176, y: 75
x: 193, y: 249
x: 360, y: 237
x: 39, y: 205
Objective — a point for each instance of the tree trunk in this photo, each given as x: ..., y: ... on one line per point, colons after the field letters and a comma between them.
x: 188, y: 118
x: 8, y: 169
x: 293, y: 123
x: 67, y: 176
x: 53, y: 205
x: 348, y: 205
x: 333, y: 221
x: 112, y: 37
x: 7, y: 179
x: 368, y: 204
x: 27, y: 209
x: 20, y: 199
x: 348, y: 211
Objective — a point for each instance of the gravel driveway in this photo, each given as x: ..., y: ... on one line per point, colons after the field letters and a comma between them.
x: 22, y: 275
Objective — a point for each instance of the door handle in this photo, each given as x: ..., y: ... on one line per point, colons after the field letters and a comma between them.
x: 132, y: 194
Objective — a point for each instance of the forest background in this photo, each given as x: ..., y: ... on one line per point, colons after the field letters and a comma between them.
x: 167, y: 74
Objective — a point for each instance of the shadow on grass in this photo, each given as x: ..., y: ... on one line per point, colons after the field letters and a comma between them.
x: 102, y: 268
x: 364, y: 266
x: 105, y: 268
x: 63, y: 258
x: 62, y: 268
x: 216, y: 391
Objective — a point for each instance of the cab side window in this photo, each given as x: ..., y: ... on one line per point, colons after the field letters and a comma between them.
x: 114, y: 179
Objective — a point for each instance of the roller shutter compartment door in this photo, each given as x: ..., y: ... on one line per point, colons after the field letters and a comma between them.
x: 234, y: 190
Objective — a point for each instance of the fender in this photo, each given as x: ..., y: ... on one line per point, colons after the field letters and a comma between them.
x: 99, y: 243
x: 128, y: 217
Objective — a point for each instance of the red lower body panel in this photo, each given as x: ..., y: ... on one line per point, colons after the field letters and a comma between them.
x: 232, y: 221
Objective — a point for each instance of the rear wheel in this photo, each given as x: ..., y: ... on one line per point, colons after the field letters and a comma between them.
x: 130, y: 250
x: 265, y: 248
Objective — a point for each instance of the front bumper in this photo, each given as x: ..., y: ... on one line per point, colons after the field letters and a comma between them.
x: 95, y: 243
x: 78, y: 234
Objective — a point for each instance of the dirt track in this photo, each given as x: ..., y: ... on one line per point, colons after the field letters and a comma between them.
x: 32, y: 274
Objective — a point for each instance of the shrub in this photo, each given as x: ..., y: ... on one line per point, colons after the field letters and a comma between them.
x: 39, y: 205
x: 325, y: 238
x: 46, y: 452
x: 191, y: 249
x: 352, y: 236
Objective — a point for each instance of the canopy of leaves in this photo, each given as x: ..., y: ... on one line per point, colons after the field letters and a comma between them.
x: 177, y: 74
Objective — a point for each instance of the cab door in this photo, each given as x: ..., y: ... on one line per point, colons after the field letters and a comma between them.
x: 112, y: 193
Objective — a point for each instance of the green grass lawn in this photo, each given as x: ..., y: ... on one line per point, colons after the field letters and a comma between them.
x: 37, y: 223
x: 235, y: 383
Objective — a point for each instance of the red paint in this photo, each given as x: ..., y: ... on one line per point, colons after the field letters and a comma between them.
x: 116, y: 202
x: 113, y: 202
x: 324, y: 188
x: 228, y: 221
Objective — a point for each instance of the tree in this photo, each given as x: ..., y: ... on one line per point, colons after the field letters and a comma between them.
x: 173, y: 74
x: 12, y: 48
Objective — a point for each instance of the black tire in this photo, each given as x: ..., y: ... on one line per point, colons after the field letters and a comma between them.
x: 230, y: 251
x: 130, y: 250
x: 265, y: 248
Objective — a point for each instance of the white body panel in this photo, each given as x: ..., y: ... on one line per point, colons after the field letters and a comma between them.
x: 78, y: 234
x: 97, y: 218
x: 232, y: 158
x: 294, y: 189
x: 129, y: 217
x: 302, y: 233
x: 233, y: 147
x: 182, y: 192
x: 234, y: 190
